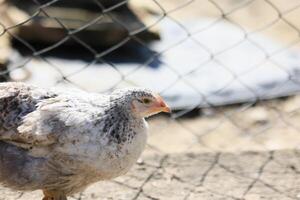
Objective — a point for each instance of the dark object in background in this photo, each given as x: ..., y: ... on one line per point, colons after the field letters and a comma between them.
x: 95, y: 26
x: 4, y: 75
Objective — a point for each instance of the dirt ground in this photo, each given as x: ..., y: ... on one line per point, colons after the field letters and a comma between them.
x: 268, y: 125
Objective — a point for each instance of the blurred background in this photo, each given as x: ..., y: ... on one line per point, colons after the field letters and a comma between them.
x: 229, y: 69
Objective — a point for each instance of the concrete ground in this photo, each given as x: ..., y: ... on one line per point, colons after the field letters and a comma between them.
x: 209, y: 176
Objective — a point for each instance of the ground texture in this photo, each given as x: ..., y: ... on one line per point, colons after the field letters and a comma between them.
x: 209, y: 176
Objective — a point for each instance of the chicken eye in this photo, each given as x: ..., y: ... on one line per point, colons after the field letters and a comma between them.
x: 146, y: 101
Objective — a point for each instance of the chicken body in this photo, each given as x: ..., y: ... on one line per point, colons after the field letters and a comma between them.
x: 57, y: 141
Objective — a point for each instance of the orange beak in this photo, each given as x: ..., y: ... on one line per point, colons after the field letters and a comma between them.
x: 161, y: 106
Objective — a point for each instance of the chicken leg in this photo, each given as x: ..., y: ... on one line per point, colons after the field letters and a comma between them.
x: 54, y: 195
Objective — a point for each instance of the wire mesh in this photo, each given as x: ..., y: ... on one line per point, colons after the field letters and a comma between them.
x: 256, y: 123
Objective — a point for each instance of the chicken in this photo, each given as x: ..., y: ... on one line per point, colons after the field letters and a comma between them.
x: 61, y: 142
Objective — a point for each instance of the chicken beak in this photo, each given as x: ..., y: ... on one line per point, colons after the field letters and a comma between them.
x: 161, y: 105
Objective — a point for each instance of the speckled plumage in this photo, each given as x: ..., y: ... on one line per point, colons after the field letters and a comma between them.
x: 52, y: 140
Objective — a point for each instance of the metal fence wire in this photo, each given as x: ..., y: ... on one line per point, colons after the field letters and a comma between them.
x: 230, y: 70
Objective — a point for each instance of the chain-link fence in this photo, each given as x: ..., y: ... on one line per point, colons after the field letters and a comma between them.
x: 229, y: 69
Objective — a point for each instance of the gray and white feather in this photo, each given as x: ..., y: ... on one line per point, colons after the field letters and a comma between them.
x: 56, y: 140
